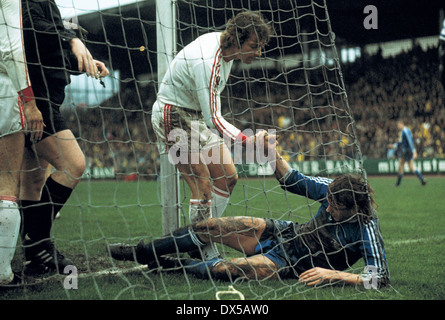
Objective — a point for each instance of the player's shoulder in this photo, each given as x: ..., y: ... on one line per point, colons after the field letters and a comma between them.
x: 406, y: 130
x: 210, y: 37
x: 205, y: 46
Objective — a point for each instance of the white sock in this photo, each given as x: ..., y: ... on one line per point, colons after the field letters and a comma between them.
x: 220, y: 199
x: 9, y: 233
x: 199, y: 211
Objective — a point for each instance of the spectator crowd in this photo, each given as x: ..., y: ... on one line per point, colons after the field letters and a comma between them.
x: 319, y: 113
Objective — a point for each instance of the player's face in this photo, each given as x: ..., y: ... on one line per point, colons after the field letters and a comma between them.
x: 250, y: 50
x: 337, y: 213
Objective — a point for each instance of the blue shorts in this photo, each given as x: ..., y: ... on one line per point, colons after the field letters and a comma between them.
x: 406, y: 155
x: 278, y: 244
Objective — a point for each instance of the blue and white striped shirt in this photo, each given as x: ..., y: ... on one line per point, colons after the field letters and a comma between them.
x: 324, y: 242
x: 406, y: 142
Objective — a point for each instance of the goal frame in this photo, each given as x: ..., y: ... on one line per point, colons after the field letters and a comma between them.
x: 169, y: 175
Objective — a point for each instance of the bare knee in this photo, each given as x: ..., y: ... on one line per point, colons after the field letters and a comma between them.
x: 79, y: 167
x: 204, y: 189
x: 31, y: 185
x: 207, y: 228
x: 226, y: 271
x: 230, y: 270
x: 68, y: 172
x: 227, y: 183
x: 231, y: 183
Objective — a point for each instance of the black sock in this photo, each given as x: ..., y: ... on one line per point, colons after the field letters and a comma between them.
x: 38, y: 216
x: 399, y: 179
x: 182, y: 240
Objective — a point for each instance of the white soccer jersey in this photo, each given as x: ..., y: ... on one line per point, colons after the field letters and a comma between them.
x: 12, y: 53
x: 15, y: 86
x: 195, y: 79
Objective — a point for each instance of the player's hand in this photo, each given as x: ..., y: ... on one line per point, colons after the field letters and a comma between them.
x: 34, y: 120
x: 263, y: 138
x: 102, y: 70
x: 84, y: 58
x: 270, y: 141
x: 318, y: 275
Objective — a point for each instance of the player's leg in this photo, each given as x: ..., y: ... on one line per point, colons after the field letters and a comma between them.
x: 63, y: 152
x: 200, y: 207
x: 197, y: 178
x: 11, y: 153
x: 400, y: 171
x: 416, y: 172
x: 240, y: 233
x: 224, y: 177
x: 173, y: 127
x: 252, y: 236
x: 253, y: 267
x: 42, y: 198
x: 11, y: 156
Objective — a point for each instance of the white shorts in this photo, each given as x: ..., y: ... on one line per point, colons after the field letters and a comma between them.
x: 173, y: 125
x: 12, y: 117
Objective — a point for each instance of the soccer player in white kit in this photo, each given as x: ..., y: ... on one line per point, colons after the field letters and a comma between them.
x: 18, y: 112
x: 189, y: 101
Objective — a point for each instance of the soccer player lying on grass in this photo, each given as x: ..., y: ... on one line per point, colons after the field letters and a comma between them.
x: 344, y: 230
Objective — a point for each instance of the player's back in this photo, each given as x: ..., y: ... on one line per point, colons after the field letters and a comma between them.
x: 406, y: 139
x: 180, y: 86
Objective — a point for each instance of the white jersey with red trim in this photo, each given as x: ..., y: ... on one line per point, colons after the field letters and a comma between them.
x: 195, y: 79
x: 12, y: 52
x: 15, y: 86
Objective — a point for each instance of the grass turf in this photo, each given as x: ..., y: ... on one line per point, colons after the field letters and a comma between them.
x: 99, y: 212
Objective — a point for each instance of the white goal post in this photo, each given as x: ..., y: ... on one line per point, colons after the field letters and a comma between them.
x: 166, y: 50
x: 312, y: 106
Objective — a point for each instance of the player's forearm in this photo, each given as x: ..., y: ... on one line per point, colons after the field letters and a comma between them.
x: 281, y: 166
x: 349, y: 278
x: 319, y: 275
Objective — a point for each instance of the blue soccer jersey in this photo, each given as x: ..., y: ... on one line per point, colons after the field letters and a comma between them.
x: 405, y: 147
x: 324, y: 242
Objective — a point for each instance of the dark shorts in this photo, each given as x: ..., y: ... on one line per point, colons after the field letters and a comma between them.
x: 277, y: 244
x: 407, y: 155
x: 49, y: 103
x: 404, y: 154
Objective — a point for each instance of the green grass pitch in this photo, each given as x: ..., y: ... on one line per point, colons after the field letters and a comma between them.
x: 412, y: 220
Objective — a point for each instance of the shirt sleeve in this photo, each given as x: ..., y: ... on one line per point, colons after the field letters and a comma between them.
x: 49, y: 25
x: 409, y: 138
x: 206, y: 79
x: 314, y: 188
x: 12, y: 48
x: 376, y: 273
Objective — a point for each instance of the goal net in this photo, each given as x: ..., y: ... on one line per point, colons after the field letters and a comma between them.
x: 295, y: 88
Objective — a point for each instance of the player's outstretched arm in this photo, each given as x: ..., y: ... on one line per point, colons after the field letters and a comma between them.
x: 319, y: 275
x: 281, y: 165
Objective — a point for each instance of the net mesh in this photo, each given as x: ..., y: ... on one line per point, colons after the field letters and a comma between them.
x: 295, y: 87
